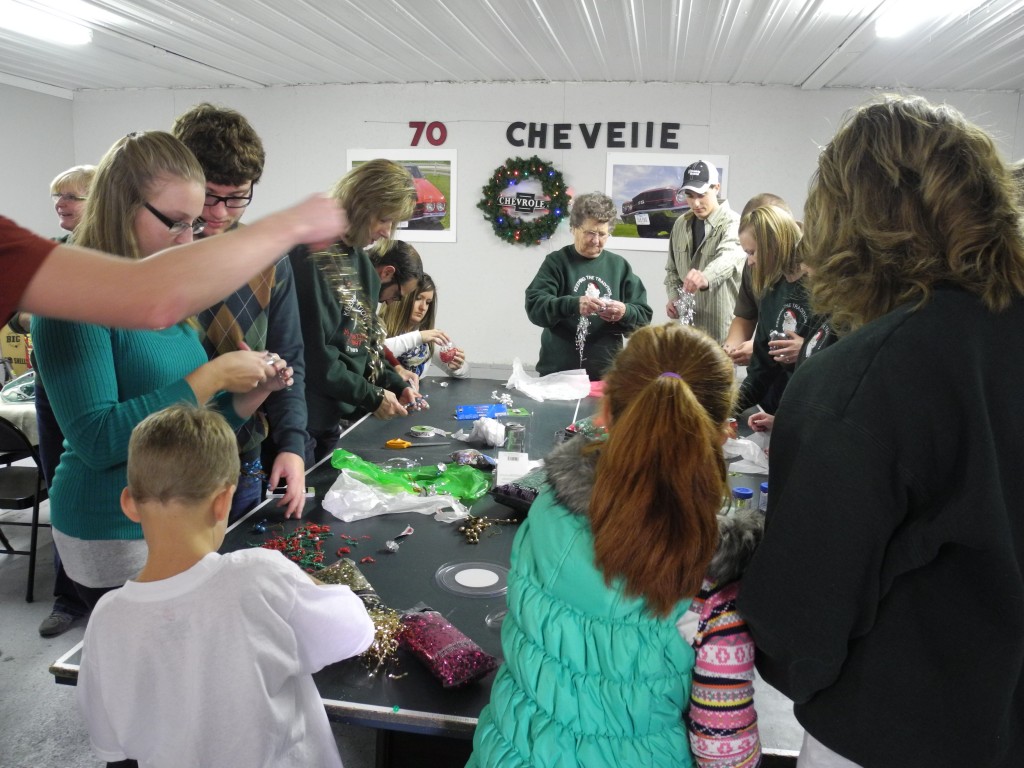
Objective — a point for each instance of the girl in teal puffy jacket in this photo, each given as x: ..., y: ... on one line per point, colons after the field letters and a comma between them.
x: 611, y: 615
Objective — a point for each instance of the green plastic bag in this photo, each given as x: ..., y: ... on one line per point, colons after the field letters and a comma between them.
x: 464, y: 483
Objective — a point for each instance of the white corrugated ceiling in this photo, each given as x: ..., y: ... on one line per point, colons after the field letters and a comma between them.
x: 258, y: 43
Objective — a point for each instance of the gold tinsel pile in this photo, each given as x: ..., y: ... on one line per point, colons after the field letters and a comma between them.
x: 384, y: 648
x: 386, y: 621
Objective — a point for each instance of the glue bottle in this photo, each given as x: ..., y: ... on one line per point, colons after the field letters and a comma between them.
x: 743, y: 498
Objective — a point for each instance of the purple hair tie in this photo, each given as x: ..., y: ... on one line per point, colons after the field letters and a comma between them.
x: 670, y: 375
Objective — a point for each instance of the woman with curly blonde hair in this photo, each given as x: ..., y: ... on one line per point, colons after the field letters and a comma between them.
x: 907, y: 197
x: 894, y: 513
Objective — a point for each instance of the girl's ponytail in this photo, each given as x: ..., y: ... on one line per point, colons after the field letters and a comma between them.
x: 661, y: 476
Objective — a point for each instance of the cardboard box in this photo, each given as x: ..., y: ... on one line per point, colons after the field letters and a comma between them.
x: 15, y: 347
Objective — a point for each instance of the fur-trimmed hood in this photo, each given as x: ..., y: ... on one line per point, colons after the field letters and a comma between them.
x: 570, y: 473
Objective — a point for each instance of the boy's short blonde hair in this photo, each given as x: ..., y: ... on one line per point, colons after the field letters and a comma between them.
x: 182, y: 453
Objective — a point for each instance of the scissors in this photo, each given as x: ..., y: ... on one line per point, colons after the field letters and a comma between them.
x: 398, y: 443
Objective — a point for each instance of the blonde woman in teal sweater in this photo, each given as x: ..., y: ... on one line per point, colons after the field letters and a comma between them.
x: 147, y: 196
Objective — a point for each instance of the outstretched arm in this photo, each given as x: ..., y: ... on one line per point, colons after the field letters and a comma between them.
x: 81, y: 284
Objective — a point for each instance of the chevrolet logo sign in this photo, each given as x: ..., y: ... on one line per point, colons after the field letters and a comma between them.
x: 524, y: 202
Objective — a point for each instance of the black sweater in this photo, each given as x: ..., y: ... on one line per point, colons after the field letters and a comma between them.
x: 887, y: 597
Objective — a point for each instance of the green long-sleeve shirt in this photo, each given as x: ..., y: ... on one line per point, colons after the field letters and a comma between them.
x: 338, y: 373
x: 553, y: 303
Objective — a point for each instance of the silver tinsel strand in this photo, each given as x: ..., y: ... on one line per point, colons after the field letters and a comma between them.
x: 338, y: 268
x: 686, y: 305
x: 583, y: 328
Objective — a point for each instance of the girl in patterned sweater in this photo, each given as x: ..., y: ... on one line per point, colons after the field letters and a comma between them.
x: 721, y: 720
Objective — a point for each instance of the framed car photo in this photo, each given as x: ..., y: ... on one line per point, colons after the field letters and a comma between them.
x: 434, y: 174
x: 646, y: 188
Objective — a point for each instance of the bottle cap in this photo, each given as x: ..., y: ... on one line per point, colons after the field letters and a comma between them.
x: 742, y: 493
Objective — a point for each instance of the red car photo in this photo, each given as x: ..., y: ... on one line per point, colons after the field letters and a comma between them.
x: 431, y: 205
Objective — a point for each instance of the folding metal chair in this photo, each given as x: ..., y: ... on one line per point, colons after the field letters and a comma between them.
x: 21, y: 487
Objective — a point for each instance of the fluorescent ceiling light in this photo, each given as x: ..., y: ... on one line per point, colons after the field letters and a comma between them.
x: 42, y: 25
x: 901, y: 16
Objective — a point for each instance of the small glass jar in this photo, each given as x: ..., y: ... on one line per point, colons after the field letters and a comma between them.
x: 516, y: 438
x: 743, y: 498
x: 762, y: 500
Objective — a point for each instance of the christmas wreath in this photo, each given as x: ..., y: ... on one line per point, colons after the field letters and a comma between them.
x: 512, y: 228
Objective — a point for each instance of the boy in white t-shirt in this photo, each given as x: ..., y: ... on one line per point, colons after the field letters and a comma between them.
x: 207, y: 659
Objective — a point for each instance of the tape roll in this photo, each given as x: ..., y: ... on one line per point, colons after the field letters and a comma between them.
x: 422, y: 431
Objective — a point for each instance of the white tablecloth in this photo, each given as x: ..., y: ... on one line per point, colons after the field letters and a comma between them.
x: 23, y: 416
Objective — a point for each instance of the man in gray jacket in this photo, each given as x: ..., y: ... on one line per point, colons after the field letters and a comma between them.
x: 704, y: 254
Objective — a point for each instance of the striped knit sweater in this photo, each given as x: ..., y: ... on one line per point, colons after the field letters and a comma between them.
x: 722, y: 720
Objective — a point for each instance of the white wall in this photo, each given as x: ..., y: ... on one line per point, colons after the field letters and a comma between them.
x: 771, y: 135
x: 36, y: 143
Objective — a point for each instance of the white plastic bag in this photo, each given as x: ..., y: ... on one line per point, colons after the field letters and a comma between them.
x: 752, y: 453
x: 561, y: 385
x: 352, y: 499
x: 489, y: 432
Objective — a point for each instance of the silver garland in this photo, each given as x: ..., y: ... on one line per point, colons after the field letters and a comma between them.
x: 337, y: 265
x: 583, y: 328
x: 685, y: 305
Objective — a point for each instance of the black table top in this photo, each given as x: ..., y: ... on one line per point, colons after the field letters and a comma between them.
x: 407, y: 697
x: 413, y: 699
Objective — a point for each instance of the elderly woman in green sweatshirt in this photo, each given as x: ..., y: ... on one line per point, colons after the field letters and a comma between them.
x: 586, y: 298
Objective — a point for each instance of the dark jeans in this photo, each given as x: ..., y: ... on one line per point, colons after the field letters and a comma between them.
x: 66, y: 598
x: 269, y: 450
x: 322, y: 443
x: 251, y: 484
x: 51, y: 446
x: 248, y: 493
x: 89, y: 596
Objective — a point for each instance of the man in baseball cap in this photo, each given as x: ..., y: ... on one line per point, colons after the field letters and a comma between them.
x: 704, y: 254
x: 700, y: 176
